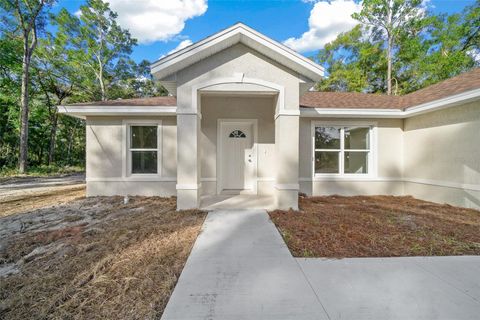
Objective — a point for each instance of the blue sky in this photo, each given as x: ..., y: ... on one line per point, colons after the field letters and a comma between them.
x: 307, y: 24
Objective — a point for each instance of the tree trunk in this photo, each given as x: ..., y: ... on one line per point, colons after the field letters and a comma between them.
x: 53, y: 139
x: 389, y: 30
x: 22, y: 161
x: 389, y: 66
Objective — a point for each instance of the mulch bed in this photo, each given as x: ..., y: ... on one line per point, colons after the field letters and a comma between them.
x: 378, y: 226
x: 94, y: 258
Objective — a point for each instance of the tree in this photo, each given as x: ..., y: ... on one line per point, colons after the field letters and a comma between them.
x: 353, y: 64
x: 427, y: 50
x: 28, y: 16
x: 56, y: 79
x: 386, y: 19
x: 95, y: 42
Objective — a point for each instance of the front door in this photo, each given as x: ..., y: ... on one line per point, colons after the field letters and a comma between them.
x: 236, y: 157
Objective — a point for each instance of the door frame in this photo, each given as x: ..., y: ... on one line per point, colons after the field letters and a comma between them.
x: 220, y: 123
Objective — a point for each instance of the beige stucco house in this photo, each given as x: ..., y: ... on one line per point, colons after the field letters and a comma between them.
x: 241, y: 120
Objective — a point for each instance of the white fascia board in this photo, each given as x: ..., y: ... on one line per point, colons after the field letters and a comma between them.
x: 83, y: 111
x: 166, y: 65
x: 439, y: 104
x: 350, y: 113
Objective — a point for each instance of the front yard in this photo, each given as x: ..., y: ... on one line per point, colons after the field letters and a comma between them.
x: 94, y: 258
x: 378, y: 226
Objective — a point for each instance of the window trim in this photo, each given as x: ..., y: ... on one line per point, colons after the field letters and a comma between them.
x: 127, y: 153
x: 372, y: 153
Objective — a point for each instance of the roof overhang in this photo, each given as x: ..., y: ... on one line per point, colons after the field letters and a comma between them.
x: 238, y: 33
x: 83, y: 111
x: 412, y: 111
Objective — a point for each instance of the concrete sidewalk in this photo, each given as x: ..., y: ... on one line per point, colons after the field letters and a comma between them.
x: 240, y: 268
x: 397, y: 288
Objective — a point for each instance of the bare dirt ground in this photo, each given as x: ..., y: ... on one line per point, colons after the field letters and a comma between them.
x: 91, y: 258
x: 378, y: 226
x: 20, y: 194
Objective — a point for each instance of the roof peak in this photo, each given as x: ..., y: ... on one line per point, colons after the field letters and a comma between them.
x: 237, y: 33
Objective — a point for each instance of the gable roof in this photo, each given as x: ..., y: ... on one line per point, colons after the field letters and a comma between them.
x: 463, y: 83
x: 238, y: 33
x: 460, y: 89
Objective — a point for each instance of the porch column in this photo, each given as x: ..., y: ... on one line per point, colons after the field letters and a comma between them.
x: 287, y: 154
x: 188, y: 157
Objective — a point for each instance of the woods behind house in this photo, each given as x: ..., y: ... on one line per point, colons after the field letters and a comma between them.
x: 49, y: 59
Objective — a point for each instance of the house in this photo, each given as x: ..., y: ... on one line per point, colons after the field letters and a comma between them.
x: 241, y: 120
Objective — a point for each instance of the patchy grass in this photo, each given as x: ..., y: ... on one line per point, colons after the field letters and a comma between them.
x: 94, y: 258
x: 40, y: 171
x: 378, y: 226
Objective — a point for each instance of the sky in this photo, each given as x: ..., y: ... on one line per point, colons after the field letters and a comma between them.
x: 163, y: 26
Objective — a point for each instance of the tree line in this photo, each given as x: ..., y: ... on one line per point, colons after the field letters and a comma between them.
x: 400, y: 46
x: 50, y: 59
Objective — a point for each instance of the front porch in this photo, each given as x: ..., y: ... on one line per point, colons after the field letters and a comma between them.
x: 246, y: 150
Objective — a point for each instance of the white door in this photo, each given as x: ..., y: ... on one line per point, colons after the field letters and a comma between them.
x: 237, y: 157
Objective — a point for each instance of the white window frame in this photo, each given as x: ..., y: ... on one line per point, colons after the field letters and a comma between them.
x: 127, y: 154
x: 372, y: 152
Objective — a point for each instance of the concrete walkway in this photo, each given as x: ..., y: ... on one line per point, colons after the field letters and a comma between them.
x: 397, y: 288
x: 240, y: 268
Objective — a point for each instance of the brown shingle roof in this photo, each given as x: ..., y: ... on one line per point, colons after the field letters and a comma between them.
x: 352, y: 100
x: 153, y: 101
x: 462, y: 83
x: 349, y: 100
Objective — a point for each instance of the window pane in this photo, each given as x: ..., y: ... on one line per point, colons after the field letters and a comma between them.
x: 326, y: 162
x: 356, y: 162
x: 357, y: 138
x: 144, y: 137
x: 144, y: 161
x: 327, y: 138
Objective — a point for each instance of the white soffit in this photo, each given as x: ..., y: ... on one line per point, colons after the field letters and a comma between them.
x: 238, y: 33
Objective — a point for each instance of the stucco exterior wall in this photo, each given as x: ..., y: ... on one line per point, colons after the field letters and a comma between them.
x: 260, y: 108
x: 239, y: 63
x: 442, y: 155
x: 389, y: 161
x: 106, y: 154
x: 231, y: 61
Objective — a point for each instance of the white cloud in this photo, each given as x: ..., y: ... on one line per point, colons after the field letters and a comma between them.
x: 183, y: 44
x: 326, y: 21
x: 154, y: 20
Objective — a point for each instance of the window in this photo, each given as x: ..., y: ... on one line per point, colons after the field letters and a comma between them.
x: 143, y: 149
x: 237, y: 134
x: 342, y: 150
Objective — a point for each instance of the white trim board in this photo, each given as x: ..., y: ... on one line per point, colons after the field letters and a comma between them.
x: 435, y: 183
x: 83, y: 111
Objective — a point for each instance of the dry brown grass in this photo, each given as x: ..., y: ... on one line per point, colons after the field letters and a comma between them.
x: 378, y: 226
x: 95, y: 258
x: 40, y: 199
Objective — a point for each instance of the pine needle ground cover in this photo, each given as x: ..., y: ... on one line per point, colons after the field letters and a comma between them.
x: 94, y: 258
x: 378, y: 226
